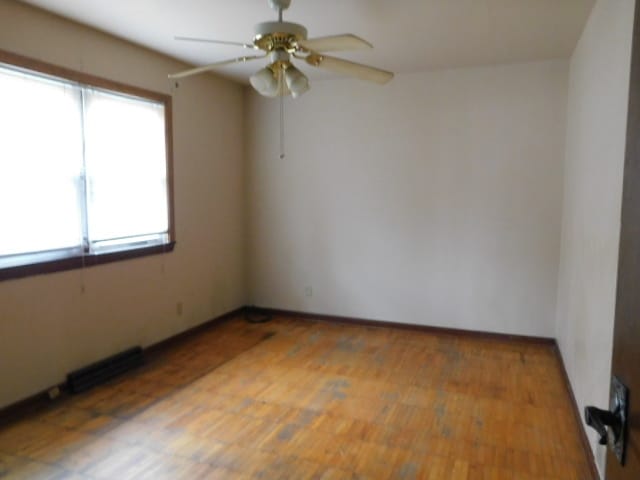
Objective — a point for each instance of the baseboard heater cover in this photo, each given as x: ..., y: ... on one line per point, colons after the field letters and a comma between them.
x: 104, y: 370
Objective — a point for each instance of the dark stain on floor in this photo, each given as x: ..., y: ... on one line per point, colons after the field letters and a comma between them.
x: 287, y: 432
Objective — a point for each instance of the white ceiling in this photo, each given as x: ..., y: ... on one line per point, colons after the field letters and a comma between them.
x: 408, y: 35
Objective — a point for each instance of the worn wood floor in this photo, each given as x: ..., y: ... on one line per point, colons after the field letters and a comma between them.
x: 300, y: 399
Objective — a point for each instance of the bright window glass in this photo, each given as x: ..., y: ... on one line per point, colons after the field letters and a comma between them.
x: 126, y: 167
x: 40, y: 164
x: 82, y: 171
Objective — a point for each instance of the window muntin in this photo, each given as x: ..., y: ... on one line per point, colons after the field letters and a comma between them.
x: 84, y: 170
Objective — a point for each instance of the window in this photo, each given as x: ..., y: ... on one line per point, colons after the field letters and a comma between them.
x: 85, y: 170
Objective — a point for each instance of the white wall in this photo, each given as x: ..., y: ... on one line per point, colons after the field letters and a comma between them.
x: 596, y: 135
x: 48, y: 326
x: 433, y: 200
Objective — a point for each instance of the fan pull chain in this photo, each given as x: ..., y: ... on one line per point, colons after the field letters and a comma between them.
x: 281, y: 116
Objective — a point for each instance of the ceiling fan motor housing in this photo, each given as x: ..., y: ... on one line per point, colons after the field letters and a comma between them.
x: 272, y: 36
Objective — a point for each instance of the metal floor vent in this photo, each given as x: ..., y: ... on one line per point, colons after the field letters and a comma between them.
x: 103, y: 370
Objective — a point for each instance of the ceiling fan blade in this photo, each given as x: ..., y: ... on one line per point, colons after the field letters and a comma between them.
x: 219, y: 42
x: 212, y: 66
x: 351, y: 69
x: 334, y: 43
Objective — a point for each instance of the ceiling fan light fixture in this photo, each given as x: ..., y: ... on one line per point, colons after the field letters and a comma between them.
x: 265, y: 82
x: 297, y: 82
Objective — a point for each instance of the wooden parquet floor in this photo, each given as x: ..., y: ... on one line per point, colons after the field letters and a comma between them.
x: 300, y: 399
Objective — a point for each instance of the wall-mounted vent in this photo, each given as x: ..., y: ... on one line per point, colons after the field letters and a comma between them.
x: 103, y: 370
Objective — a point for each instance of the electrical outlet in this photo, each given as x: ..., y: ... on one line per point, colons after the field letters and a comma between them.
x: 308, y: 292
x: 179, y: 308
x: 53, y: 393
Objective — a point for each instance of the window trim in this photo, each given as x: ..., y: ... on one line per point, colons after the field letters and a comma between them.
x: 76, y: 262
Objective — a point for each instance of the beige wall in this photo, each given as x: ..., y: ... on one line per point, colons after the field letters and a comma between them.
x: 48, y: 325
x: 596, y: 135
x: 433, y: 200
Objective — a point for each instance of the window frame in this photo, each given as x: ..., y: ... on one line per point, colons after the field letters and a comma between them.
x: 88, y: 260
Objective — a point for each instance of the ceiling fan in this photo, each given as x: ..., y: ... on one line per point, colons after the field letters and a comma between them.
x: 281, y: 42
